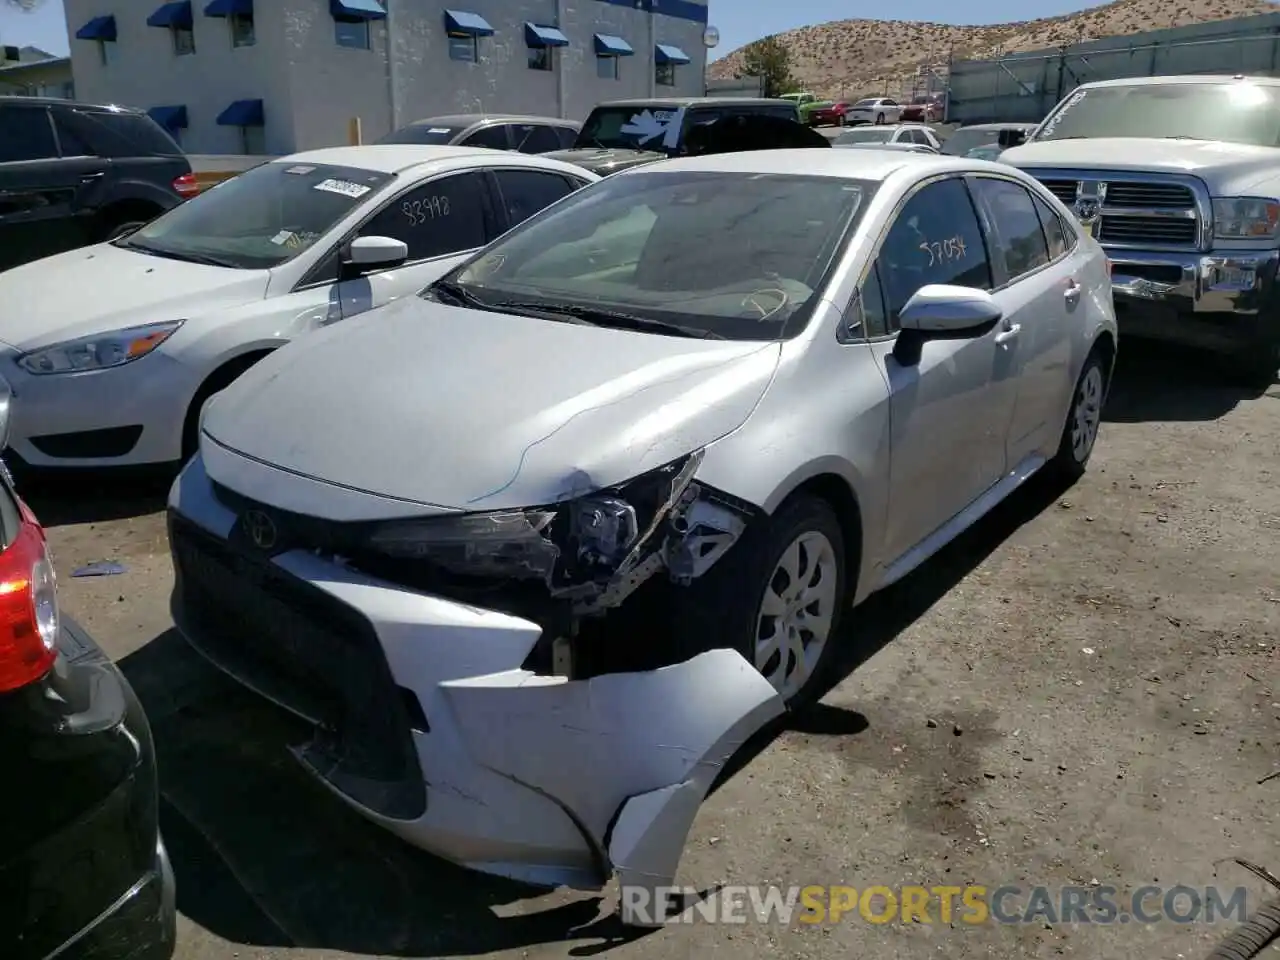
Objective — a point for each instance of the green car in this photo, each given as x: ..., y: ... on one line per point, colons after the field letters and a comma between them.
x: 806, y: 103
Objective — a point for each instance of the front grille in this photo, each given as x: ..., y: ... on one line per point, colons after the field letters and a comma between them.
x: 1163, y: 231
x: 1134, y: 213
x: 307, y: 651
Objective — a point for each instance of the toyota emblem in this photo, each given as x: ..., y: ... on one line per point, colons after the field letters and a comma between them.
x: 260, y: 528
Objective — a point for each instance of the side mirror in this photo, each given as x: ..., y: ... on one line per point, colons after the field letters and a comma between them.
x: 1012, y: 138
x: 370, y: 253
x: 943, y: 312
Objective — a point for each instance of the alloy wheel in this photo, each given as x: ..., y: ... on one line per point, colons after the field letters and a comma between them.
x: 1086, y: 416
x: 797, y: 613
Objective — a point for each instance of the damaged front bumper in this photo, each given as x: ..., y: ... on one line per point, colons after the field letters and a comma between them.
x: 429, y: 723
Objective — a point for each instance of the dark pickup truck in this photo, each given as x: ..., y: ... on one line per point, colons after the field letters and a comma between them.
x: 74, y: 173
x: 627, y: 133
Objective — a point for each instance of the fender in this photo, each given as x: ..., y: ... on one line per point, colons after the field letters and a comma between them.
x: 124, y: 190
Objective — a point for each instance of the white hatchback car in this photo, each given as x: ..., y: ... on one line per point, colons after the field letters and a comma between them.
x: 896, y: 134
x: 725, y: 397
x: 112, y: 349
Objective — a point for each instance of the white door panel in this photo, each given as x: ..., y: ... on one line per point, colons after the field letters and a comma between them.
x: 378, y: 289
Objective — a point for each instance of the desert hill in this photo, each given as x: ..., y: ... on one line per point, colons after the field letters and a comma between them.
x: 848, y: 58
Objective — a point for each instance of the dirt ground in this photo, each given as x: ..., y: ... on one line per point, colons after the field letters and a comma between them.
x: 1084, y: 689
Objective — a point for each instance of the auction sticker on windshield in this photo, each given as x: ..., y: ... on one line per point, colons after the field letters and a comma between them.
x: 344, y: 187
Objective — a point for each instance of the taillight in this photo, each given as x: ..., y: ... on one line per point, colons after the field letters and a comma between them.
x: 28, y: 609
x: 186, y: 186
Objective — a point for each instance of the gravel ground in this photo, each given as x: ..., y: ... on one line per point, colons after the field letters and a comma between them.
x: 1085, y: 688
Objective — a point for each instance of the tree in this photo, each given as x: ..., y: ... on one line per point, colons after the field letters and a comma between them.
x: 770, y: 59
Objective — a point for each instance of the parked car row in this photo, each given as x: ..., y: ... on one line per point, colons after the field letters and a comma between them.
x: 487, y: 453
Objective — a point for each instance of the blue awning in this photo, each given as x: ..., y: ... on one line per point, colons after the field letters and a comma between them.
x: 225, y: 8
x: 175, y: 14
x: 171, y: 118
x: 663, y: 53
x: 242, y: 113
x: 462, y: 23
x: 99, y: 28
x: 357, y: 9
x: 536, y: 36
x: 608, y: 45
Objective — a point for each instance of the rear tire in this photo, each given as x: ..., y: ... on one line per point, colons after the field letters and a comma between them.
x: 1084, y: 418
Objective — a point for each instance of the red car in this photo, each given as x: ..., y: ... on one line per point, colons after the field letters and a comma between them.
x: 832, y: 115
x: 925, y: 109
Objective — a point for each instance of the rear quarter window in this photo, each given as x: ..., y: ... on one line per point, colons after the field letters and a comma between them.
x: 127, y: 135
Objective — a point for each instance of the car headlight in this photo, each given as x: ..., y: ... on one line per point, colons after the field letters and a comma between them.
x: 570, y: 542
x: 99, y: 351
x: 1245, y: 218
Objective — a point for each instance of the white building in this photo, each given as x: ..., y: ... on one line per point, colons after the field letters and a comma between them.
x: 277, y: 76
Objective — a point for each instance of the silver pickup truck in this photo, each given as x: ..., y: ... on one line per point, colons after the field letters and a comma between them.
x: 1179, y: 179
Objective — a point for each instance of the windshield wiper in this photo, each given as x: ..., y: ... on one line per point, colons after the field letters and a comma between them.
x: 128, y: 244
x: 599, y: 317
x: 461, y: 296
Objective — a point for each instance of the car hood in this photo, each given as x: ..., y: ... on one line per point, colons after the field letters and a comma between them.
x: 1221, y: 165
x: 605, y: 160
x: 458, y: 409
x: 101, y: 288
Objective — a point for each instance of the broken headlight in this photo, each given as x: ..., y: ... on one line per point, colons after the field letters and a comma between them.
x: 571, y: 542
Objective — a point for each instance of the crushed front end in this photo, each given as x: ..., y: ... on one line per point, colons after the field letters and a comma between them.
x: 496, y: 688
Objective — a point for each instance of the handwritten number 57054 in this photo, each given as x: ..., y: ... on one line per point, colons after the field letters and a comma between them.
x: 944, y: 251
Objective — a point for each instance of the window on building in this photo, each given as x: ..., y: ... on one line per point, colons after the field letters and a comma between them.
x: 184, y: 40
x: 542, y: 58
x: 253, y: 141
x: 464, y: 48
x: 242, y: 34
x: 607, y: 68
x: 68, y: 91
x: 664, y: 74
x: 352, y: 33
x: 107, y: 52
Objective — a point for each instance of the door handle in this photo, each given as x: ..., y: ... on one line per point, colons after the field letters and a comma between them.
x: 1073, y: 291
x: 1009, y: 333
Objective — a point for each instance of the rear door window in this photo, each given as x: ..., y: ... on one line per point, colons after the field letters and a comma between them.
x: 133, y: 135
x: 525, y: 192
x: 535, y: 138
x: 26, y: 134
x: 69, y: 139
x: 1054, y: 232
x: 1017, y: 224
x: 494, y: 137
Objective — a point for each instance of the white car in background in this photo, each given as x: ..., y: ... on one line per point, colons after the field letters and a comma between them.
x: 874, y: 110
x: 725, y: 397
x: 903, y: 135
x: 111, y: 350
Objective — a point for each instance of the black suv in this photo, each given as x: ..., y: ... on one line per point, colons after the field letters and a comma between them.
x: 73, y: 174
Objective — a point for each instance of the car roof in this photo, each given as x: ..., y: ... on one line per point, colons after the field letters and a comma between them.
x: 676, y: 102
x: 398, y: 157
x: 71, y: 104
x: 998, y: 126
x: 1186, y: 78
x: 469, y: 119
x: 855, y: 164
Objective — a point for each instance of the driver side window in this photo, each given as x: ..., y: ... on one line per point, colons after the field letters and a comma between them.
x: 936, y: 238
x: 438, y: 218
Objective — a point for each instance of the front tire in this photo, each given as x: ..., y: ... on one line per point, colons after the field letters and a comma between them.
x: 1084, y: 419
x: 840, y: 120
x: 776, y: 598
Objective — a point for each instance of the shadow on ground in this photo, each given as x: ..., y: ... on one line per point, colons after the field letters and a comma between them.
x: 265, y: 855
x: 62, y: 497
x: 1157, y: 381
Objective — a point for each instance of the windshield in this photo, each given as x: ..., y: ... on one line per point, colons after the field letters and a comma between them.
x: 872, y: 135
x: 732, y: 255
x: 962, y: 141
x: 1235, y: 112
x: 627, y: 128
x: 259, y: 219
x: 422, y: 133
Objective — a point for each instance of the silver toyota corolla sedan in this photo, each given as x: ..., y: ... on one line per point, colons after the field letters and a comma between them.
x: 537, y: 549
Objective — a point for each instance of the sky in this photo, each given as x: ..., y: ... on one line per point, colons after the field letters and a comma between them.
x: 739, y: 21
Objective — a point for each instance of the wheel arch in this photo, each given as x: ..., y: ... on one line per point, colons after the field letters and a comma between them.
x: 221, y: 377
x: 839, y: 493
